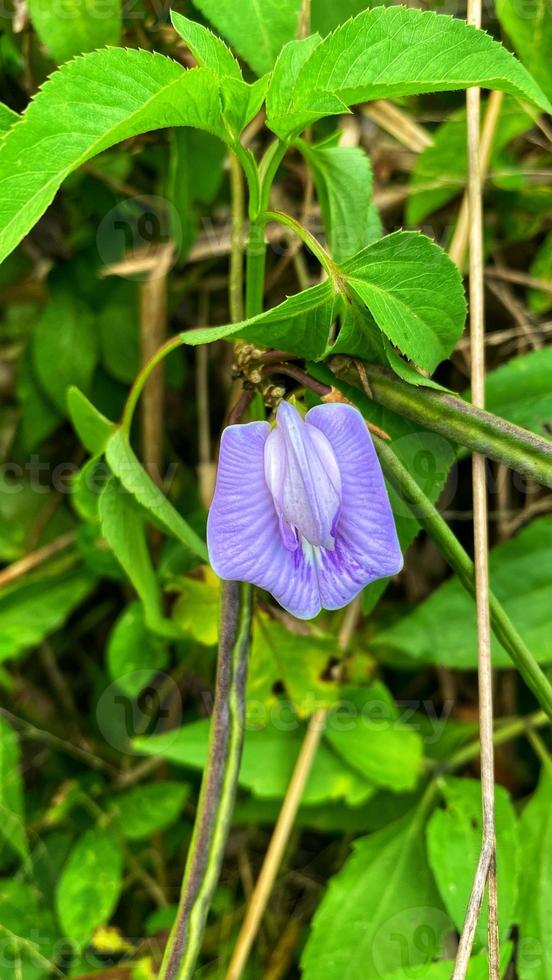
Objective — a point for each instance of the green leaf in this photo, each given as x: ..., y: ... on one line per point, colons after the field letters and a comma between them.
x: 29, y: 934
x: 132, y: 651
x: 299, y: 662
x: 196, y: 610
x: 300, y: 325
x: 208, y: 49
x: 535, y: 887
x: 390, y: 52
x: 39, y: 417
x: 442, y: 628
x: 269, y: 756
x: 529, y: 27
x: 520, y: 392
x: 255, y: 30
x: 478, y: 967
x: 92, y: 428
x: 414, y: 292
x: 123, y: 527
x: 440, y: 171
x: 89, y: 887
x: 541, y: 268
x: 71, y: 27
x: 65, y: 347
x: 326, y: 15
x: 370, y: 737
x: 343, y: 178
x: 118, y: 325
x: 7, y: 118
x: 454, y: 842
x: 375, y: 908
x: 194, y: 179
x: 90, y: 104
x: 32, y: 609
x: 136, y: 481
x: 12, y: 830
x: 146, y: 810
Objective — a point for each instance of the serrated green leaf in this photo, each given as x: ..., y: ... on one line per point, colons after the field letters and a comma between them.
x: 136, y: 481
x: 65, y: 347
x: 92, y: 428
x: 535, y: 887
x: 414, y: 293
x: 208, y: 49
x: 529, y: 27
x: 269, y: 756
x: 90, y: 104
x: 71, y: 27
x: 89, y: 887
x: 12, y: 824
x: 440, y: 171
x: 454, y: 842
x: 343, y: 178
x: 442, y: 629
x: 299, y: 662
x: 300, y: 324
x: 132, y: 650
x: 255, y: 30
x: 146, y: 810
x: 390, y: 52
x: 382, y: 899
x: 36, y: 607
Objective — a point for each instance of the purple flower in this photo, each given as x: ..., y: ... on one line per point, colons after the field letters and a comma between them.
x: 301, y: 510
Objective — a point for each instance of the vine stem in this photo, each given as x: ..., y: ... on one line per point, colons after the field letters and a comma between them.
x: 218, y: 788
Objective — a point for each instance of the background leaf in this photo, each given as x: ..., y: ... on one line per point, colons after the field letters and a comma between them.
x: 255, y: 30
x: 13, y: 830
x: 71, y: 27
x: 65, y: 348
x: 89, y: 886
x: 530, y: 30
x: 535, y: 893
x: 145, y: 810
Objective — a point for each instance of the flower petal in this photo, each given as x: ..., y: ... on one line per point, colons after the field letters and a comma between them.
x: 243, y: 534
x: 366, y: 547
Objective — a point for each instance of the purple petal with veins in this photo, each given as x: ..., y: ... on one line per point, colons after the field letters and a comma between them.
x: 302, y: 510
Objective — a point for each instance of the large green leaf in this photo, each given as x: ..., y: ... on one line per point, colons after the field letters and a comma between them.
x: 442, y: 629
x: 70, y: 27
x: 343, y: 178
x: 374, y: 910
x: 136, y: 481
x: 440, y: 172
x: 269, y: 756
x: 389, y: 52
x: 90, y: 104
x: 454, y: 842
x: 535, y: 887
x: 256, y: 29
x: 12, y: 831
x: 529, y: 27
x: 89, y: 887
x: 32, y: 609
x: 414, y: 293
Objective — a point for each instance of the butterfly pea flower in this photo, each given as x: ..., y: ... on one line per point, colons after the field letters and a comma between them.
x: 302, y: 510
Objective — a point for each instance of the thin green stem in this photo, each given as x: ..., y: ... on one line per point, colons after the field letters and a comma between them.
x: 235, y: 287
x: 142, y: 377
x: 504, y: 732
x: 218, y: 788
x: 310, y: 241
x: 431, y: 520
